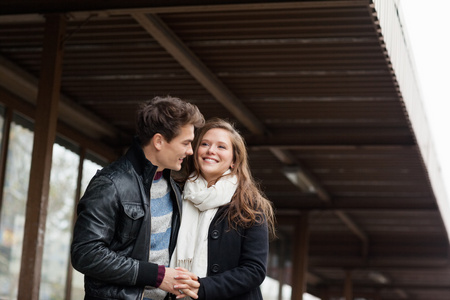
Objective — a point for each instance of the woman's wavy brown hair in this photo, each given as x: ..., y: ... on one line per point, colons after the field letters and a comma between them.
x: 249, y: 206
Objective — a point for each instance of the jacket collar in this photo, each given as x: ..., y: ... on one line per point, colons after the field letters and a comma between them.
x: 141, y: 164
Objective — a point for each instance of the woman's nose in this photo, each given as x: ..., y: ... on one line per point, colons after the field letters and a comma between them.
x: 211, y: 149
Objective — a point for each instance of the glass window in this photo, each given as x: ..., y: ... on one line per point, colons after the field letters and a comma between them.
x: 90, y: 167
x: 58, y: 228
x: 15, y: 196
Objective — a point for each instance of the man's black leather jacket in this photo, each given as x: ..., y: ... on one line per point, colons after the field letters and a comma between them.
x: 111, y: 237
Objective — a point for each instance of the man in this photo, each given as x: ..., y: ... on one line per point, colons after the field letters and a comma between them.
x: 129, y: 216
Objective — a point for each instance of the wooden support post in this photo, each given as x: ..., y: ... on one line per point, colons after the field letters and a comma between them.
x: 4, y: 151
x: 44, y: 137
x: 325, y: 294
x: 348, y: 288
x: 300, y: 257
x: 376, y: 295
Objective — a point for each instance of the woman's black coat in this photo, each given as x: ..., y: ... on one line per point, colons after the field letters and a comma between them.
x: 237, y: 261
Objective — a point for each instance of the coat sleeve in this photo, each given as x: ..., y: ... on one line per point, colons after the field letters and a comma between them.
x: 93, y: 239
x: 248, y: 275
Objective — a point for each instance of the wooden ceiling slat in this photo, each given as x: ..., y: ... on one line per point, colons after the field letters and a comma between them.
x: 272, y: 14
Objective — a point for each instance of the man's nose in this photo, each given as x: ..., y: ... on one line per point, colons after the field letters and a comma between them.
x: 189, y: 150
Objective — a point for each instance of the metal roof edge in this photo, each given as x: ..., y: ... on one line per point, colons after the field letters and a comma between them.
x: 397, y: 45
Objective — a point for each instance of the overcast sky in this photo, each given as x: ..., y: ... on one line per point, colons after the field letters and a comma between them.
x: 427, y: 26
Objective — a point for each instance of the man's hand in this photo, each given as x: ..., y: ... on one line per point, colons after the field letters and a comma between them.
x: 188, y: 284
x: 176, y: 280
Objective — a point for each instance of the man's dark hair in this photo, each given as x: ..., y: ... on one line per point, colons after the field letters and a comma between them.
x: 166, y: 116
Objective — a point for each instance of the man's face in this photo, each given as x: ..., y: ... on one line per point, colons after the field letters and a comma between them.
x: 172, y: 154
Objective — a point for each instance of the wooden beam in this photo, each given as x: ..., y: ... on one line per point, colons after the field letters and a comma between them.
x: 242, y: 7
x: 283, y: 155
x: 185, y: 57
x: 288, y: 159
x: 285, y: 205
x: 380, y: 263
x: 44, y: 136
x: 356, y: 230
x: 29, y: 110
x: 22, y: 84
x: 401, y: 287
x: 126, y: 7
x: 335, y: 147
x: 326, y: 135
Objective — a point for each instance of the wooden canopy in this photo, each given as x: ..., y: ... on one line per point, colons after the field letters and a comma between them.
x: 323, y: 92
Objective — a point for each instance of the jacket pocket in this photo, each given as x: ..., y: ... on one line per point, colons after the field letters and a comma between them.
x: 130, y: 221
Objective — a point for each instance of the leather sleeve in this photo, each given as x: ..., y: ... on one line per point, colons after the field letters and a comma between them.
x: 99, y: 247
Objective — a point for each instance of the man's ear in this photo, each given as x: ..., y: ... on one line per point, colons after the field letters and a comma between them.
x: 158, y: 141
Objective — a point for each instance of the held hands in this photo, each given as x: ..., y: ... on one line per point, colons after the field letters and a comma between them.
x: 188, y: 284
x: 180, y: 280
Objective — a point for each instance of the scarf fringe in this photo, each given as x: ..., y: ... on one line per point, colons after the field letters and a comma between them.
x: 185, y: 263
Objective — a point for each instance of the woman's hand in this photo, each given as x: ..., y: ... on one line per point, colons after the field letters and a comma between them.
x: 187, y: 284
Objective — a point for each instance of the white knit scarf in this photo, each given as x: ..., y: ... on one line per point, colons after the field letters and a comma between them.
x: 199, y: 208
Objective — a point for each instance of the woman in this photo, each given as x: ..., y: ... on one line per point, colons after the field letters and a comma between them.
x: 224, y: 233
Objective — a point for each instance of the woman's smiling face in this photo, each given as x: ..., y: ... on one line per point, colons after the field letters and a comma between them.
x: 215, y: 154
